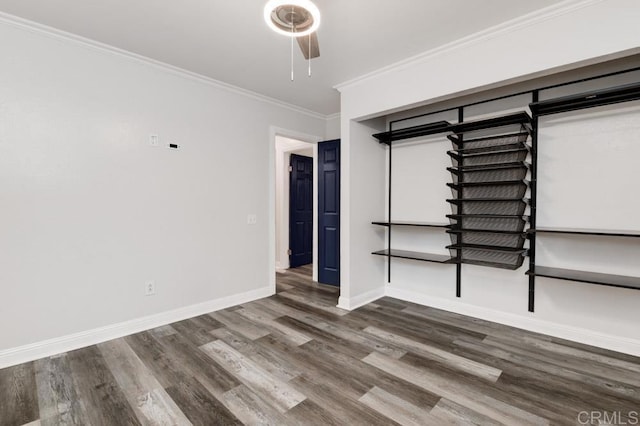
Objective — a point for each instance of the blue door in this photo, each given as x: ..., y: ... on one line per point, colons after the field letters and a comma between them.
x: 300, y: 211
x: 329, y: 212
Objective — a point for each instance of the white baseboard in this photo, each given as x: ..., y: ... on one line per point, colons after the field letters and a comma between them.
x: 31, y: 352
x: 362, y: 299
x: 576, y: 334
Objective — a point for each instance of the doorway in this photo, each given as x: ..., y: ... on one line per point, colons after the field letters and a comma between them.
x: 324, y: 205
x: 286, y: 150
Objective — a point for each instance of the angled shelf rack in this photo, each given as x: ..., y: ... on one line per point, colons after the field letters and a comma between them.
x: 521, y: 118
x: 486, y: 200
x: 483, y: 231
x: 492, y: 223
x: 483, y: 141
x: 510, y: 261
x: 490, y: 149
x: 489, y: 184
x: 486, y: 263
x: 458, y: 156
x: 487, y: 247
x: 489, y: 167
x: 525, y: 218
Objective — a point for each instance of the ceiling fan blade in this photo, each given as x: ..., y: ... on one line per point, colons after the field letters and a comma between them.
x: 303, y: 42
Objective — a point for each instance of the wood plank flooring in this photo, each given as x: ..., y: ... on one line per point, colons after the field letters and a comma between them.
x: 295, y: 358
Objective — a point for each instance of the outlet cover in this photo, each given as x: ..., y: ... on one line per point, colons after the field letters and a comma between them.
x: 150, y: 288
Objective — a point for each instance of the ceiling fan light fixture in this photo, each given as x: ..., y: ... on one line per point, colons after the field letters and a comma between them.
x: 293, y: 18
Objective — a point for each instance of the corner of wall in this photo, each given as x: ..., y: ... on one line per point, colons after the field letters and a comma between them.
x: 332, y: 130
x: 360, y: 300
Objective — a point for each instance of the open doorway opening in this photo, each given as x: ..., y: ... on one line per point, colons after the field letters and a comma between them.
x: 323, y: 273
x: 296, y: 215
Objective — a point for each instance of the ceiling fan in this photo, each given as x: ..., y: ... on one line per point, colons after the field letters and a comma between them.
x: 297, y: 19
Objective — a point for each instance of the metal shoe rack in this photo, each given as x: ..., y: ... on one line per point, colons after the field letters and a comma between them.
x: 489, y: 185
x: 493, y: 168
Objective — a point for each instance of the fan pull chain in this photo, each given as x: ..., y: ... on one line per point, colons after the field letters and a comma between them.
x: 309, y: 54
x: 293, y: 30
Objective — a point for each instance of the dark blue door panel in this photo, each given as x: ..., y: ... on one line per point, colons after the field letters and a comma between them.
x: 329, y: 212
x: 301, y: 211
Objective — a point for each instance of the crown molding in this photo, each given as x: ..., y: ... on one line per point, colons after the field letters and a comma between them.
x: 512, y: 25
x: 333, y: 116
x: 65, y: 36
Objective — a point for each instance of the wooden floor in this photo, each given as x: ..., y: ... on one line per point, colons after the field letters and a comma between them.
x: 295, y: 358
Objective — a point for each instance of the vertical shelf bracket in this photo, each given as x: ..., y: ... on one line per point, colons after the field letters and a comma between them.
x: 389, y: 207
x: 458, y: 226
x: 533, y: 204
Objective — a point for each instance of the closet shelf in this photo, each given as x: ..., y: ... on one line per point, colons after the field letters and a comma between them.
x: 506, y: 120
x: 413, y: 132
x: 586, y: 277
x: 444, y: 126
x: 488, y: 248
x: 414, y: 255
x: 578, y: 231
x: 489, y: 167
x: 614, y: 95
x: 403, y: 223
x: 491, y: 183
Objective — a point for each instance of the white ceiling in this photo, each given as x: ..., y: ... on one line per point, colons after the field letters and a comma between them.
x: 228, y: 40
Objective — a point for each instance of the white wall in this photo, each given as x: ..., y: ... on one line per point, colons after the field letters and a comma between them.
x: 90, y: 211
x: 333, y: 127
x: 562, y: 39
x: 362, y: 201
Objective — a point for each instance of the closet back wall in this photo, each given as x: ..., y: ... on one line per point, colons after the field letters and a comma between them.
x: 90, y: 211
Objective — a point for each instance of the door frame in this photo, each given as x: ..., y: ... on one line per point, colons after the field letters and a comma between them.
x: 271, y: 191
